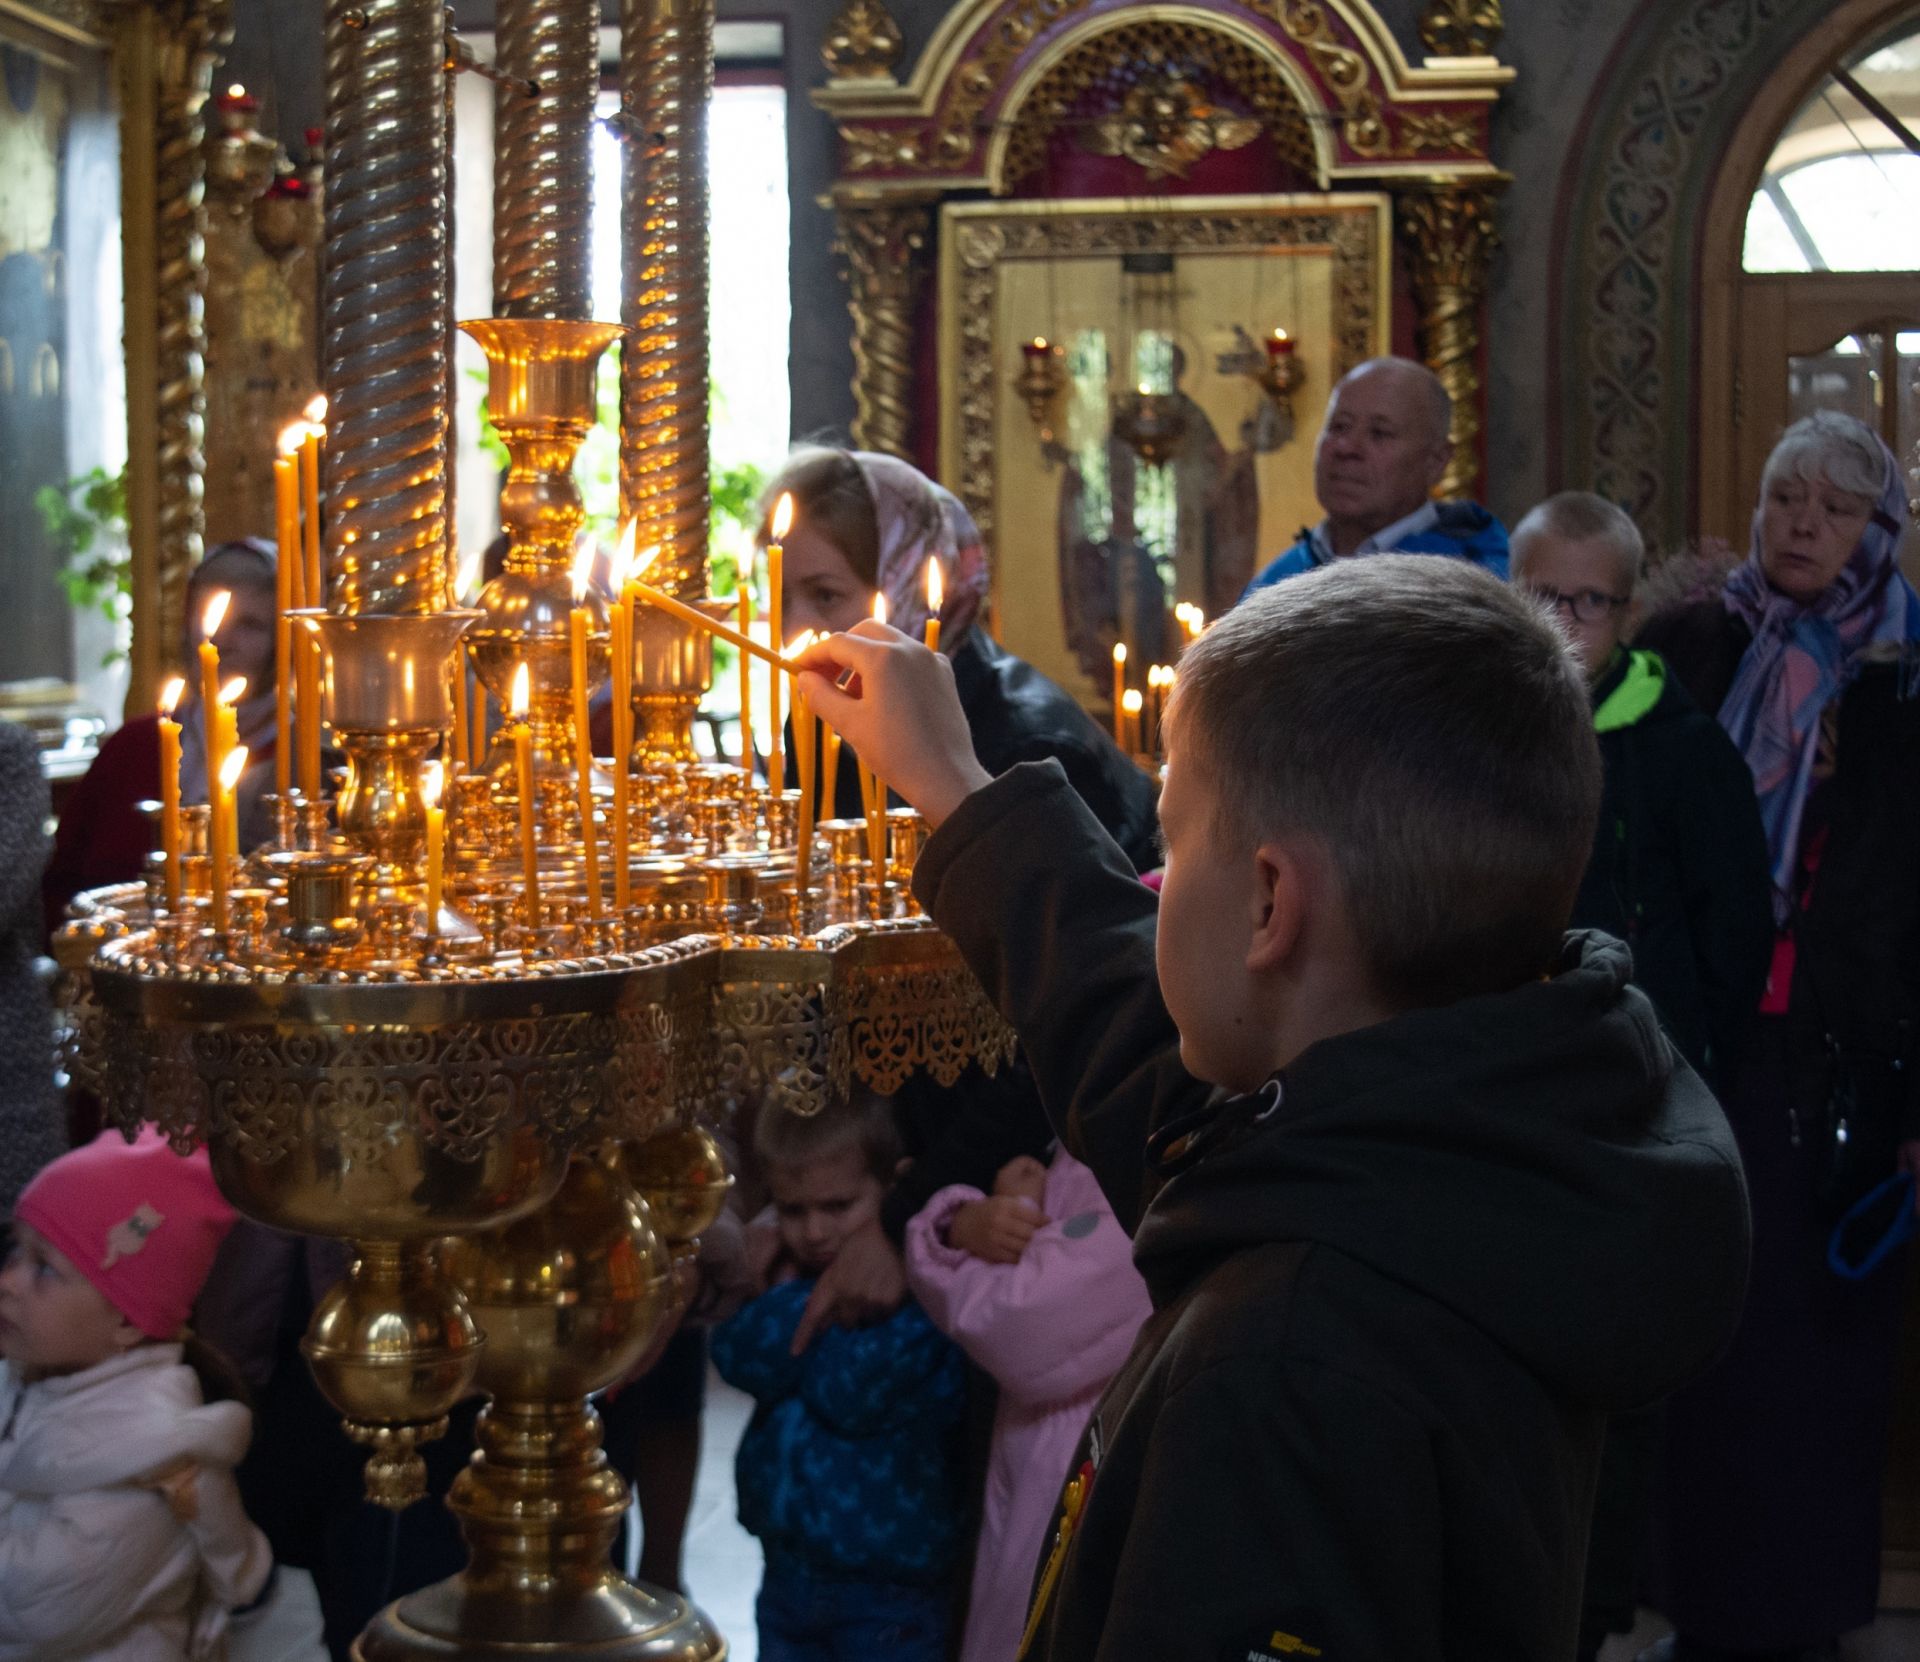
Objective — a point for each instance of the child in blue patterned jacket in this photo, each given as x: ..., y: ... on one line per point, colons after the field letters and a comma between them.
x: 849, y: 1471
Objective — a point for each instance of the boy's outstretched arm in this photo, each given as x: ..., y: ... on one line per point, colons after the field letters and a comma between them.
x: 1046, y: 908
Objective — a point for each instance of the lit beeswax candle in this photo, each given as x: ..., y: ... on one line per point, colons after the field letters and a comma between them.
x: 579, y: 630
x: 620, y: 628
x: 210, y: 621
x: 804, y: 752
x: 222, y: 829
x: 776, y: 612
x: 170, y: 789
x: 746, y: 685
x: 307, y: 703
x: 936, y: 595
x: 1119, y: 693
x: 286, y: 514
x: 523, y: 776
x: 432, y: 783
x: 310, y: 443
x: 1131, y: 703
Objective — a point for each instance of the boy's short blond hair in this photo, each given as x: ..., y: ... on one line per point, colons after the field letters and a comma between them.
x: 1428, y: 726
x: 863, y: 1122
x: 1581, y: 516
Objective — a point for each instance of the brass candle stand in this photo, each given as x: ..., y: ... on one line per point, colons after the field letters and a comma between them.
x: 498, y: 1104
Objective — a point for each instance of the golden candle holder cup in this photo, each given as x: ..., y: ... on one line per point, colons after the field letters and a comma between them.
x: 388, y: 702
x: 541, y: 383
x: 672, y: 669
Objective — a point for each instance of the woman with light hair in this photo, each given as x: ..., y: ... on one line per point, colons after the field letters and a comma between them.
x: 1768, y: 1542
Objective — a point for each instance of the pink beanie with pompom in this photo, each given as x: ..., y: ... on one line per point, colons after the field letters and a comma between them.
x: 139, y: 1221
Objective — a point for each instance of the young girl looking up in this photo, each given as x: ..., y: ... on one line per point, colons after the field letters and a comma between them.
x: 122, y: 1537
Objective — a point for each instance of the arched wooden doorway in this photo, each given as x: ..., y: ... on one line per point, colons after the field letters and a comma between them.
x: 1805, y: 301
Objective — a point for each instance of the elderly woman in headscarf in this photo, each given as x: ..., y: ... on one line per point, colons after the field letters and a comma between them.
x: 868, y: 524
x: 1768, y: 1539
x: 102, y: 837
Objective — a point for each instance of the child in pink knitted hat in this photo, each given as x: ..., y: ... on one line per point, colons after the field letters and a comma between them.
x: 122, y: 1536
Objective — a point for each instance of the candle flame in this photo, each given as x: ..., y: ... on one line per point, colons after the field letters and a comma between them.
x: 1145, y: 390
x: 231, y: 692
x: 879, y: 608
x: 233, y: 767
x: 316, y: 410
x: 1131, y: 701
x: 1280, y: 334
x: 1040, y: 343
x: 433, y: 779
x: 215, y: 614
x: 583, y: 557
x: 170, y: 694
x: 801, y: 642
x: 621, y: 568
x: 236, y: 90
x: 521, y: 695
x: 292, y: 437
x: 783, y: 516
x: 936, y: 588
x: 1119, y: 652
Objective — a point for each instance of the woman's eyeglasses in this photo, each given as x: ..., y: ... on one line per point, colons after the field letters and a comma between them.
x: 1583, y: 606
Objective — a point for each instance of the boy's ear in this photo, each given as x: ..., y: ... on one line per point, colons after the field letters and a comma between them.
x: 1280, y: 902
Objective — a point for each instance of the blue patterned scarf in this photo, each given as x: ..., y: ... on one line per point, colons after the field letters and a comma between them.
x: 1803, y: 657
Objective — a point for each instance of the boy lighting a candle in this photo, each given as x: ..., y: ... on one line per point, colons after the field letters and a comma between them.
x: 1419, y: 1191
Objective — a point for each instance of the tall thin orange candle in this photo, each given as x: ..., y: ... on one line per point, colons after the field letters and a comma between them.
x: 210, y: 621
x: 776, y: 611
x: 1119, y: 692
x: 223, y: 837
x: 523, y: 777
x: 620, y: 630
x: 307, y: 703
x: 310, y: 490
x: 579, y: 630
x: 286, y: 515
x: 936, y: 596
x: 830, y: 770
x: 1131, y: 704
x: 432, y: 783
x: 804, y: 755
x: 874, y: 794
x: 170, y: 789
x: 746, y: 685
x: 477, y: 745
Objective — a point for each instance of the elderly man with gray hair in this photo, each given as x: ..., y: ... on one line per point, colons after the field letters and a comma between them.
x: 1679, y: 872
x: 1382, y: 452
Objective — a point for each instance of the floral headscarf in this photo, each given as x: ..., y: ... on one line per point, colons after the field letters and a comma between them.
x: 1804, y: 656
x: 918, y: 521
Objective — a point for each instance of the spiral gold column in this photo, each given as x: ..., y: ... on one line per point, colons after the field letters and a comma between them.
x: 1449, y: 234
x: 666, y: 79
x: 543, y: 158
x: 384, y: 346
x: 884, y: 243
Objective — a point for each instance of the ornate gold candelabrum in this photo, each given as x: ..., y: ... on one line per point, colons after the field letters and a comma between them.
x: 523, y: 1081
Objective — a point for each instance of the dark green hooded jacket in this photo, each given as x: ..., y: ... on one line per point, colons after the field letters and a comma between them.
x: 1397, y: 1292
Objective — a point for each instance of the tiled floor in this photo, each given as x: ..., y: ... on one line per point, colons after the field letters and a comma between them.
x: 721, y: 1559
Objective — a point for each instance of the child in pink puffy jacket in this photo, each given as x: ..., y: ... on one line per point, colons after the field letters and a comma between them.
x: 1048, y: 1303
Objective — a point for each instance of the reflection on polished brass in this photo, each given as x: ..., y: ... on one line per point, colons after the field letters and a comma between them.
x: 883, y: 243
x: 393, y: 1347
x: 682, y: 1175
x: 540, y: 396
x: 387, y: 700
x: 543, y: 157
x: 666, y: 78
x: 384, y: 346
x: 571, y: 1299
x: 1448, y: 231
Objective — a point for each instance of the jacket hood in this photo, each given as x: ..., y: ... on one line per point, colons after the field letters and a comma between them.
x: 1540, y: 1162
x: 118, y: 1422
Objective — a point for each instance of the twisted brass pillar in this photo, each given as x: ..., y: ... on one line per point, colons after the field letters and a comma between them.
x: 166, y: 54
x: 384, y: 347
x: 666, y: 78
x: 543, y: 158
x: 1449, y: 234
x: 884, y: 243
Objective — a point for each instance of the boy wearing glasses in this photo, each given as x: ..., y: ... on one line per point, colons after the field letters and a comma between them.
x: 1679, y: 872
